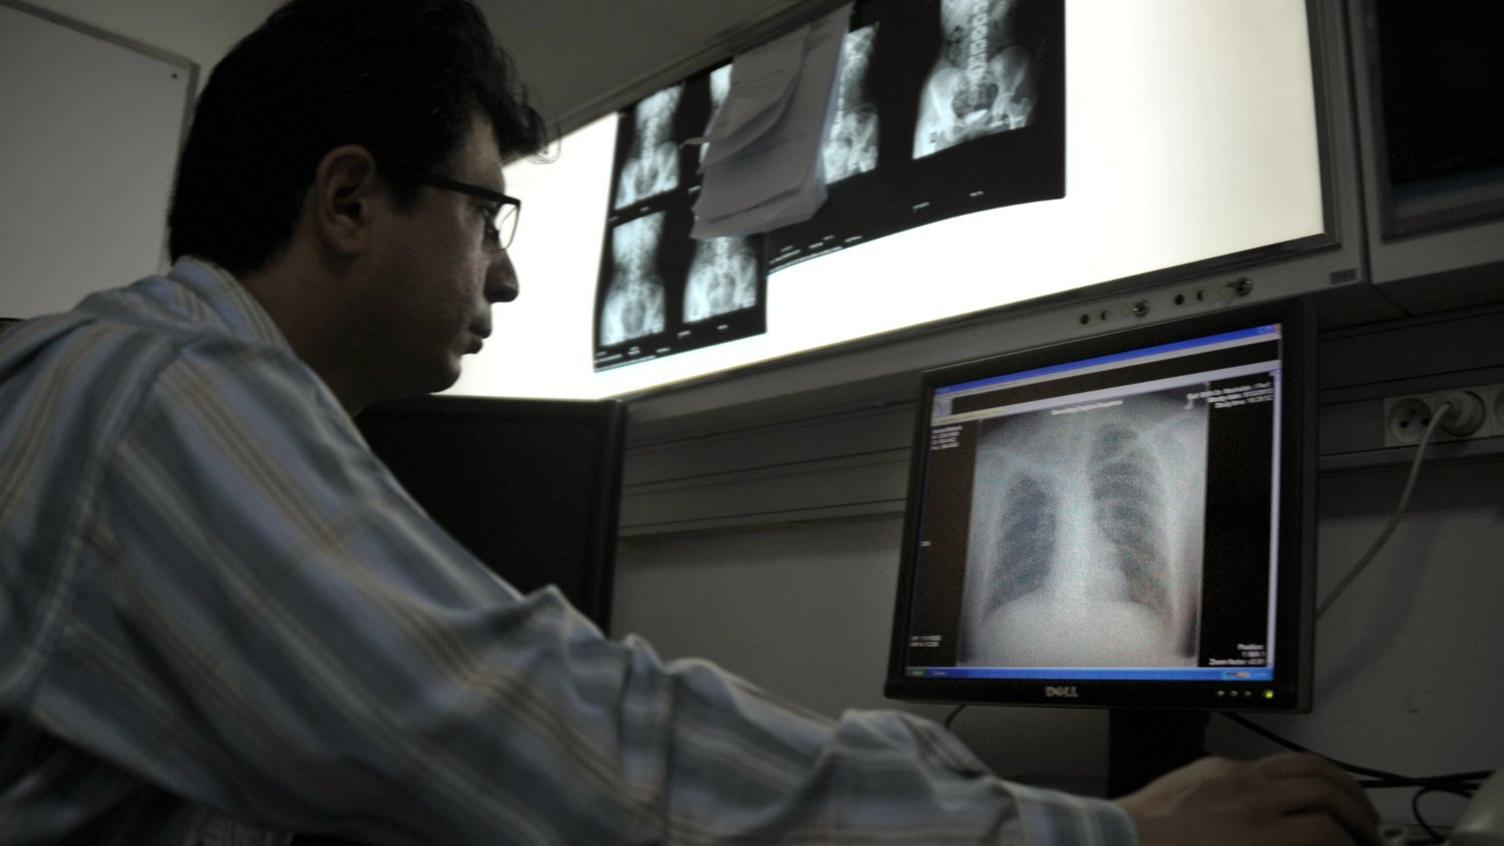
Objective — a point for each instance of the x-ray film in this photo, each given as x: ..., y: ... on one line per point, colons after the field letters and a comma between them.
x: 982, y: 81
x: 720, y: 88
x: 652, y: 164
x: 662, y: 292
x: 851, y: 146
x: 634, y: 302
x: 941, y: 108
x: 723, y: 278
x: 1086, y: 536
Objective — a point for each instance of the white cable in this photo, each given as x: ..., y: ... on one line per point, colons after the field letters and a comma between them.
x: 1420, y: 453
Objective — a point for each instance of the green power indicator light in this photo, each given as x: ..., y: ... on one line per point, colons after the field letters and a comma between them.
x: 1268, y: 694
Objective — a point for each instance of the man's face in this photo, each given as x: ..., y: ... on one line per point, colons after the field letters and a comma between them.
x: 434, y: 276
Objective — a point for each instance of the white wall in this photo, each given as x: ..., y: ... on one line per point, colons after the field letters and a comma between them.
x: 95, y: 109
x: 201, y: 31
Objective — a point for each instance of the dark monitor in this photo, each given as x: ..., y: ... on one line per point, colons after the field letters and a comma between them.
x: 1437, y: 77
x: 1121, y: 521
x: 531, y: 487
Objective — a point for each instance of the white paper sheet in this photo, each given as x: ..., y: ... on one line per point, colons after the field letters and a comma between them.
x: 775, y: 177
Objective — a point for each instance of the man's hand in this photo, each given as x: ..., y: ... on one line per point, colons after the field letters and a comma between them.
x: 1290, y: 799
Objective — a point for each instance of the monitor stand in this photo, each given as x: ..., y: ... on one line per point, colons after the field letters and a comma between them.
x: 1143, y: 745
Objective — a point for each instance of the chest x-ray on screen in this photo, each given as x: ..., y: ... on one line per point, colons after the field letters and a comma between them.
x: 851, y: 146
x: 722, y: 278
x: 1086, y: 536
x: 652, y: 165
x: 982, y: 82
x: 633, y: 305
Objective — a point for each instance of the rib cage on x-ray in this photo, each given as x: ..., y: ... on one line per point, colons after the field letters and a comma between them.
x: 982, y: 82
x: 1085, y: 539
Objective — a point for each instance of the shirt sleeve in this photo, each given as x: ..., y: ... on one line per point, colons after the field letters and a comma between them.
x: 273, y: 629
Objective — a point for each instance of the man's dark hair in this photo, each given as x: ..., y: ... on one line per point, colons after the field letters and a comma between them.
x: 399, y: 77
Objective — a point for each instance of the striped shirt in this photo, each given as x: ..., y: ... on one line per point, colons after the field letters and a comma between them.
x: 222, y: 620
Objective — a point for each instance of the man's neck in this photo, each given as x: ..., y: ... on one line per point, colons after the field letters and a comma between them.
x: 303, y: 301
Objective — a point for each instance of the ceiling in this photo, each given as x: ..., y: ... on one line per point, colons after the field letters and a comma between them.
x: 586, y: 58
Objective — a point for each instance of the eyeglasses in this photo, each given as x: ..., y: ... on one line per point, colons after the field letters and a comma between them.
x: 502, y: 227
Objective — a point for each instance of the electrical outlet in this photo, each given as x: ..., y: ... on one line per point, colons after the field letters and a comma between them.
x: 1405, y: 420
x: 1478, y: 413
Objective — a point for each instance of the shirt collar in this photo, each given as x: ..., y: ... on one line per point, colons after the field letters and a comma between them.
x: 234, y: 307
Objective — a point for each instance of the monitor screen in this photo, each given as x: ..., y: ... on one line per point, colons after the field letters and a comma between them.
x: 1439, y: 77
x: 531, y: 487
x: 1117, y: 521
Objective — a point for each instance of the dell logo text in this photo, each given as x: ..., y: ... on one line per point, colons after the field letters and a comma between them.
x: 1067, y: 691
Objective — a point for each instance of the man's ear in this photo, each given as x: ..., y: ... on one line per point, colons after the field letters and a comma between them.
x: 343, y: 198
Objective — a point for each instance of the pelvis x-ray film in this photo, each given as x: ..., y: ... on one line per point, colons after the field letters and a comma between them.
x: 851, y: 145
x: 662, y: 292
x: 941, y: 108
x: 1086, y: 536
x: 633, y: 305
x: 982, y: 82
x: 723, y: 278
x: 652, y: 164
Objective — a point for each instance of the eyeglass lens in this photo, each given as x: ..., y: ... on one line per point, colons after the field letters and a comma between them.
x: 506, y: 224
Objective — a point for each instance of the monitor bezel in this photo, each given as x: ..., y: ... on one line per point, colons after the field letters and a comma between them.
x: 1291, y: 688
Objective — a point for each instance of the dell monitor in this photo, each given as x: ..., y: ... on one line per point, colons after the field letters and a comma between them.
x: 1122, y: 521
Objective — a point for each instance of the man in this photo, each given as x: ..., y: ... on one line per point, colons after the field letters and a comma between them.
x: 224, y: 621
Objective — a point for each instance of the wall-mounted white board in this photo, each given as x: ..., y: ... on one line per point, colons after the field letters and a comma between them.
x: 89, y: 135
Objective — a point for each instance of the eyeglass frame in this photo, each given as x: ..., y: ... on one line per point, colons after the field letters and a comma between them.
x: 504, y: 202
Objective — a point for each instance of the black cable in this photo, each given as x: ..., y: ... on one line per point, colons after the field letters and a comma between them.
x: 1452, y: 782
x: 1395, y: 784
x: 1420, y: 820
x: 1467, y: 781
x: 958, y: 709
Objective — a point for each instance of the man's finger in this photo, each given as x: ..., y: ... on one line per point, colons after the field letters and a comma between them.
x: 1307, y: 765
x: 1313, y: 830
x: 1304, y: 796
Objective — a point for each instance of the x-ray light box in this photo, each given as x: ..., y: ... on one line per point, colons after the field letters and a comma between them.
x: 1191, y: 133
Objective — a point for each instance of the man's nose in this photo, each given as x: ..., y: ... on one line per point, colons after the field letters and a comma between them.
x: 501, y: 280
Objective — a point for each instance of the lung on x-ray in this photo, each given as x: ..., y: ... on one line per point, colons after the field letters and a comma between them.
x: 652, y: 165
x: 982, y: 82
x: 1086, y: 536
x: 633, y: 306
